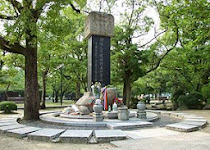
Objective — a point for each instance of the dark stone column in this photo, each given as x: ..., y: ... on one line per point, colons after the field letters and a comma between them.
x: 99, y: 60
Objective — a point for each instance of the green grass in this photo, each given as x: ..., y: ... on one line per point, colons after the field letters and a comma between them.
x: 50, y: 103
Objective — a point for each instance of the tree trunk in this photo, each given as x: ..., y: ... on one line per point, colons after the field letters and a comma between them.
x: 53, y: 97
x: 32, y: 102
x: 78, y: 91
x: 43, y: 106
x: 127, y: 89
x: 6, y: 95
x: 124, y: 93
x: 128, y: 92
x: 32, y: 99
x: 56, y: 96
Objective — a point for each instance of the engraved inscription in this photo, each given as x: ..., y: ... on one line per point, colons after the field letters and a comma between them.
x: 100, y: 60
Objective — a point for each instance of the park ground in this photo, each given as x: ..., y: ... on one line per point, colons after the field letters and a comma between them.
x: 184, y: 141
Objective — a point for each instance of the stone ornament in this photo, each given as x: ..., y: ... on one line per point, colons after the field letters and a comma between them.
x: 98, y: 23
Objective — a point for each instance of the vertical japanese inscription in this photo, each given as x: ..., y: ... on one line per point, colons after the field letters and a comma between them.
x: 100, y: 59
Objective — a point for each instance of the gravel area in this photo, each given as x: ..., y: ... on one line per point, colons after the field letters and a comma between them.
x: 165, y: 120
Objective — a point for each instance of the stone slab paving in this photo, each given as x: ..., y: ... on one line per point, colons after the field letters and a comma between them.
x: 173, y: 114
x: 166, y: 112
x: 3, y: 129
x: 109, y: 135
x: 45, y: 134
x: 22, y: 132
x: 7, y: 123
x: 200, y: 124
x: 76, y: 136
x: 188, y: 116
x: 182, y: 127
x: 8, y: 120
x: 129, y: 125
x: 12, y: 128
x: 95, y: 124
x: 147, y: 133
x: 197, y: 120
x: 182, y: 141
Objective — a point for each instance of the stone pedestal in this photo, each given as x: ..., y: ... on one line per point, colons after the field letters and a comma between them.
x: 97, y: 117
x: 123, y: 113
x: 141, y: 115
x: 111, y: 115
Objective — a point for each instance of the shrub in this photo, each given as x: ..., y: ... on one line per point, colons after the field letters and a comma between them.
x: 175, y: 97
x: 7, y: 106
x: 133, y: 103
x: 205, y: 92
x: 193, y: 100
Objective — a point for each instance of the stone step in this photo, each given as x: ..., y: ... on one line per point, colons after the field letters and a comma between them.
x: 76, y: 136
x: 200, y: 124
x: 188, y: 116
x: 22, y: 132
x: 197, y: 120
x: 147, y: 133
x: 7, y: 123
x: 3, y: 129
x: 109, y: 135
x: 8, y: 120
x: 45, y: 134
x: 182, y: 127
x: 128, y: 125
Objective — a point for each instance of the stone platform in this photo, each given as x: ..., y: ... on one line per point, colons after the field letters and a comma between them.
x: 115, y: 132
x: 133, y: 122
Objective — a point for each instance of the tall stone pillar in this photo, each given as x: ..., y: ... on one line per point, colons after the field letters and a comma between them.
x: 99, y: 27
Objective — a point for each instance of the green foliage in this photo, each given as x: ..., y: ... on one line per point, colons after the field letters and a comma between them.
x: 206, y: 91
x: 133, y: 103
x: 193, y: 100
x: 176, y: 96
x: 7, y: 106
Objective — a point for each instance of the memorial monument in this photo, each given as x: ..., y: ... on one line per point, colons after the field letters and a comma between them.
x: 99, y: 27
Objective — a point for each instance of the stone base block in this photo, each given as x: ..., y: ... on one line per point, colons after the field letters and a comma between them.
x: 111, y: 115
x: 98, y: 117
x: 141, y: 115
x: 123, y: 113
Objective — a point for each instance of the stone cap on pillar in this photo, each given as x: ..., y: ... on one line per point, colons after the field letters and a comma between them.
x: 98, y: 23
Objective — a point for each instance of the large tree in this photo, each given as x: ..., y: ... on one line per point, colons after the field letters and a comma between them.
x: 20, y: 37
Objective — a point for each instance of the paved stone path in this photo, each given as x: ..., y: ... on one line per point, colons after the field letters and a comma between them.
x: 181, y: 141
x: 190, y: 123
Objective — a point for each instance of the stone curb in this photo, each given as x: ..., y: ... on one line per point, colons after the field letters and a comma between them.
x: 84, y: 123
x: 190, y: 122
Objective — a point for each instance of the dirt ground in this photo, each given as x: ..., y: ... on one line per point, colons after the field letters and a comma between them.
x: 10, y: 143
